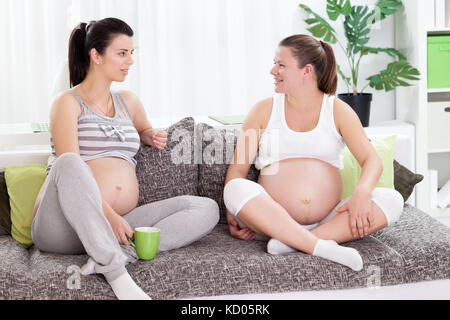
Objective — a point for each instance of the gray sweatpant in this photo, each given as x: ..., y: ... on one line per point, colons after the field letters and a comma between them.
x: 70, y: 219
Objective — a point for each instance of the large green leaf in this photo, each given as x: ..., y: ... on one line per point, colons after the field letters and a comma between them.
x: 394, y: 53
x: 357, y: 29
x: 320, y: 28
x: 345, y: 78
x: 392, y: 76
x: 387, y: 7
x: 338, y: 7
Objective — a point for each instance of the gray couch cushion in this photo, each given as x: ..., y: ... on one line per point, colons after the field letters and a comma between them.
x: 169, y: 172
x: 422, y: 242
x: 415, y: 248
x: 215, y: 153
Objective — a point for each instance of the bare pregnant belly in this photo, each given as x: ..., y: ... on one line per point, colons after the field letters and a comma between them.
x: 307, y: 188
x: 117, y: 182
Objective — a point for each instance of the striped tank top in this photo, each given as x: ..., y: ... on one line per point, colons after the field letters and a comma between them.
x: 100, y: 136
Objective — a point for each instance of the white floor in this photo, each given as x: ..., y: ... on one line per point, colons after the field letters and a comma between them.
x: 444, y: 220
x: 427, y: 290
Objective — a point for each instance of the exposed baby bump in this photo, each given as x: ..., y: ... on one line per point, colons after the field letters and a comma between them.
x: 121, y: 196
x: 312, y: 207
x: 307, y: 188
x: 121, y: 199
x: 117, y: 182
x: 307, y: 204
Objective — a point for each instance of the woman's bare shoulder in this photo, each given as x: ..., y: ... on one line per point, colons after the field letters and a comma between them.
x: 259, y: 114
x: 65, y: 102
x: 265, y: 105
x: 65, y: 96
x: 131, y: 100
x: 127, y: 95
x: 343, y: 114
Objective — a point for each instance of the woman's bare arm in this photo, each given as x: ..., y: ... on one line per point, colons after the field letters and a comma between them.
x: 244, y: 154
x: 148, y: 135
x: 64, y: 115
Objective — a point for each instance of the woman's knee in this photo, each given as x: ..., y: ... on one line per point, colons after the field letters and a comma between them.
x: 238, y: 192
x: 69, y: 161
x: 206, y: 209
x: 210, y: 211
x: 69, y: 167
x: 390, y: 202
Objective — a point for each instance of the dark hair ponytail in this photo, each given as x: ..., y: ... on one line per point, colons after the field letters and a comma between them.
x: 328, y: 81
x: 78, y: 60
x: 95, y: 35
x: 320, y: 54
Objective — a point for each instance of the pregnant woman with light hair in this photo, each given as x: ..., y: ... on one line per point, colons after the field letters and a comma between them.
x: 300, y: 132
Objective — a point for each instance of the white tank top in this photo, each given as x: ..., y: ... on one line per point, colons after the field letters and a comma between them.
x: 279, y: 142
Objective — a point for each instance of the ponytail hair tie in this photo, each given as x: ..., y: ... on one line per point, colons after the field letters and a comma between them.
x: 321, y: 42
x: 89, y: 25
x: 80, y: 27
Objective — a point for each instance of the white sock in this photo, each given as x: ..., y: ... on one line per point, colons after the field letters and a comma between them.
x: 126, y: 289
x: 275, y: 246
x: 88, y: 268
x: 329, y: 249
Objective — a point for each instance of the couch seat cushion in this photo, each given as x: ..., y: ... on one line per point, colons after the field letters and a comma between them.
x: 423, y: 243
x: 415, y: 248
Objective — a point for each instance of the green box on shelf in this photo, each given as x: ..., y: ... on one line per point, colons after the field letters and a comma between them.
x: 438, y: 61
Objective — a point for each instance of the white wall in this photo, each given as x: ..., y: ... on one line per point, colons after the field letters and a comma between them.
x: 246, y: 68
x: 383, y: 103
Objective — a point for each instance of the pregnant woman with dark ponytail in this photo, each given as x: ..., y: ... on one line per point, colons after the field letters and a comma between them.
x: 88, y: 202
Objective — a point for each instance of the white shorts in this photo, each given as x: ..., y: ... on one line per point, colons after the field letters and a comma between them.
x: 238, y: 192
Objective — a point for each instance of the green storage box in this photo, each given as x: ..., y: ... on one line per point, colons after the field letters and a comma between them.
x: 438, y: 61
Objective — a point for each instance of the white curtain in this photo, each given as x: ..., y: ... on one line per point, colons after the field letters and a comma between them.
x: 193, y: 57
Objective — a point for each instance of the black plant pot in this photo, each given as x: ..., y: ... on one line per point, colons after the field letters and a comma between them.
x: 359, y: 103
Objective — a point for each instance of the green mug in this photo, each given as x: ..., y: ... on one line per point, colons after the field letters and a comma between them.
x: 146, y: 242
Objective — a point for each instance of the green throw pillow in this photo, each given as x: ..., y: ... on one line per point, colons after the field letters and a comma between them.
x: 351, y: 172
x: 23, y: 183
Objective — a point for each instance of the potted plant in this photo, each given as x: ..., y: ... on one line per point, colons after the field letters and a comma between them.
x: 358, y: 21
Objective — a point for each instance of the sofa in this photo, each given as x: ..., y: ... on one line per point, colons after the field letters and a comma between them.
x: 415, y: 249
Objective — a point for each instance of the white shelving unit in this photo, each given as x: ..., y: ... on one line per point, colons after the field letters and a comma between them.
x: 439, y: 90
x: 412, y: 103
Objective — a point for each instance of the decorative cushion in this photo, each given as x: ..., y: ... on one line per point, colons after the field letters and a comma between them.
x: 5, y: 209
x: 169, y: 172
x: 23, y: 183
x: 385, y: 148
x: 214, y: 154
x: 405, y: 180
